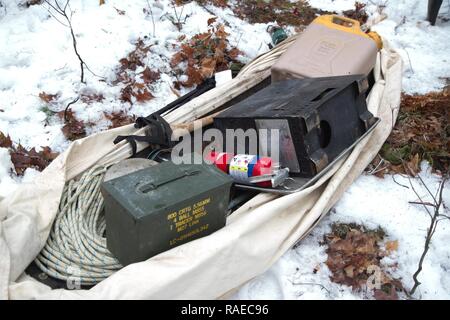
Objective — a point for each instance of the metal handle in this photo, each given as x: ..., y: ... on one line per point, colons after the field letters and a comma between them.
x: 354, y: 24
x: 150, y: 186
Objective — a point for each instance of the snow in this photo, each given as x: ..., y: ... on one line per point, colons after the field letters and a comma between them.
x: 377, y: 202
x: 372, y: 202
x: 36, y: 55
x: 40, y: 57
x: 6, y: 181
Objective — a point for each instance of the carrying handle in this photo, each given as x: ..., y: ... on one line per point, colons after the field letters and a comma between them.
x: 150, y: 186
x: 346, y: 22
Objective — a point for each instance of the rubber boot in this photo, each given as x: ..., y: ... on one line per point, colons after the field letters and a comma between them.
x: 433, y: 10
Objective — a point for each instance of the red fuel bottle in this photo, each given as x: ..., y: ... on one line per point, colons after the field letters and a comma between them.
x: 243, y: 168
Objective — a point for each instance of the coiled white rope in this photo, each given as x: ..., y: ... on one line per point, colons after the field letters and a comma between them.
x: 76, y: 248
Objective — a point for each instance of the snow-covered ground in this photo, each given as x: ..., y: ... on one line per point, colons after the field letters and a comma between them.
x: 372, y: 201
x: 36, y: 55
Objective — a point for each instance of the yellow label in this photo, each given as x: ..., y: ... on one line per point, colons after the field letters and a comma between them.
x: 188, y: 218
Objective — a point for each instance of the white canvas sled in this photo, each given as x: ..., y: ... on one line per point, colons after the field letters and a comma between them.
x: 255, y: 236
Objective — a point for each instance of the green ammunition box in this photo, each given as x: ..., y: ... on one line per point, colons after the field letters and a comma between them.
x: 155, y: 209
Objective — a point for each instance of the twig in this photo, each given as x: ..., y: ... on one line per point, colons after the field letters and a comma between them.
x: 423, y: 203
x: 153, y: 20
x: 310, y: 284
x: 177, y: 20
x: 402, y: 22
x: 431, y: 229
x: 66, y: 12
x: 401, y: 185
x: 4, y: 7
x: 409, y: 59
x: 374, y: 170
x: 418, y: 196
x: 67, y: 108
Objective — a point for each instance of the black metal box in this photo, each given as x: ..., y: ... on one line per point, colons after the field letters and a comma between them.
x: 155, y: 209
x: 316, y: 118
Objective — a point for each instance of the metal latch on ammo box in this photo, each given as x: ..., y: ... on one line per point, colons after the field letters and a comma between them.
x: 146, y: 187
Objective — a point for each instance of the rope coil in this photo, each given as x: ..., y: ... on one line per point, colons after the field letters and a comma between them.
x: 76, y: 247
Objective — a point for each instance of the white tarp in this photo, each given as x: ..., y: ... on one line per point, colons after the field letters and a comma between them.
x: 255, y: 236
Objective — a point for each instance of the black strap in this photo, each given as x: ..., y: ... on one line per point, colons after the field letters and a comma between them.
x: 159, y: 130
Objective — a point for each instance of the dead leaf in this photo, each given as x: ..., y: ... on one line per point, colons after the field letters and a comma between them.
x: 23, y: 158
x: 5, y: 141
x: 93, y: 97
x: 120, y: 12
x: 73, y: 128
x: 46, y: 97
x: 211, y: 20
x: 126, y: 93
x: 149, y: 76
x: 352, y: 250
x: 143, y: 95
x: 391, y: 246
x: 413, y: 165
x: 381, y: 294
x: 194, y: 77
x: 119, y: 119
x: 203, y: 55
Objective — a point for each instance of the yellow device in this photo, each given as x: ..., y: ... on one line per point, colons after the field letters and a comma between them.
x: 348, y: 25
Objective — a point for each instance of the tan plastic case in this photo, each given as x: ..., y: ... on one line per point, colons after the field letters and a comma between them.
x: 330, y: 46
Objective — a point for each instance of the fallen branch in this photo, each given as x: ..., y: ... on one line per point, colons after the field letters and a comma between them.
x: 177, y: 20
x: 310, y: 284
x: 67, y: 108
x: 153, y: 19
x: 435, y: 218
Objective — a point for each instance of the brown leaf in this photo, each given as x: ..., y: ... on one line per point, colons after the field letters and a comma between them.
x: 204, y: 54
x: 349, y: 271
x: 234, y: 53
x: 46, y: 97
x: 5, y: 141
x: 391, y: 294
x: 212, y: 20
x: 47, y: 154
x: 149, y: 76
x: 413, y: 165
x: 93, y: 97
x: 119, y: 119
x: 125, y: 63
x: 194, y: 77
x: 177, y: 58
x: 120, y: 12
x: 220, y: 33
x: 73, y: 128
x: 126, y: 93
x: 143, y: 95
x: 351, y: 251
x: 207, y: 67
x: 23, y: 159
x: 391, y: 246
